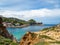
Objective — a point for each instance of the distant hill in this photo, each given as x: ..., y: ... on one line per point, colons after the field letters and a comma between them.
x: 14, y: 21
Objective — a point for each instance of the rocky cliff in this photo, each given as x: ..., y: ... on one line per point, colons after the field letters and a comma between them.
x: 5, y: 37
x: 3, y: 30
x: 47, y: 36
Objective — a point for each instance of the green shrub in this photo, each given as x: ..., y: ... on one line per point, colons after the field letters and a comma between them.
x: 6, y: 41
x: 46, y: 37
x: 42, y: 43
x: 13, y: 43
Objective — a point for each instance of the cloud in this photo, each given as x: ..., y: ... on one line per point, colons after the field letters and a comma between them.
x: 28, y: 4
x: 46, y: 10
x: 31, y: 14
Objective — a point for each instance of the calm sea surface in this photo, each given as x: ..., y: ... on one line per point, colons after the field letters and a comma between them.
x: 19, y: 32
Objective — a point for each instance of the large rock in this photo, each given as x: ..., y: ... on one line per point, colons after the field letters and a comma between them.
x: 29, y: 39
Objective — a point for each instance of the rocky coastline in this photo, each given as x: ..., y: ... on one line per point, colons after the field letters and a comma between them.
x: 47, y: 36
x: 4, y: 34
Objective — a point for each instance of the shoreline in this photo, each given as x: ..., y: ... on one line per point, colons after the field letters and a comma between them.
x: 22, y: 26
x: 18, y: 26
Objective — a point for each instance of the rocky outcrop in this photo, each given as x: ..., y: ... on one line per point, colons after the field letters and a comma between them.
x: 29, y: 39
x: 4, y: 32
x: 47, y: 36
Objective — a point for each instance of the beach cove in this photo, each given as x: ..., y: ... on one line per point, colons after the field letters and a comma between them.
x: 18, y: 33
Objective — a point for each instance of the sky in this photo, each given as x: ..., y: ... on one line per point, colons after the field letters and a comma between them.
x: 46, y: 11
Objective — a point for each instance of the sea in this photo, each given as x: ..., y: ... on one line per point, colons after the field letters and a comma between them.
x: 18, y: 33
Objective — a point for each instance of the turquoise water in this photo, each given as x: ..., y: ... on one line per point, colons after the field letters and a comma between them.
x: 19, y: 32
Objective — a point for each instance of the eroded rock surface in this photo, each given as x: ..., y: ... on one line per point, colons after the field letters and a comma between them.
x: 47, y: 36
x: 3, y: 30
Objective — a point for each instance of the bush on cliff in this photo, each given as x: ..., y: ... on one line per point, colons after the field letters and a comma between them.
x: 6, y: 41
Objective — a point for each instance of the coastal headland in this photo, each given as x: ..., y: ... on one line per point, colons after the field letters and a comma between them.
x: 47, y: 36
x: 18, y: 23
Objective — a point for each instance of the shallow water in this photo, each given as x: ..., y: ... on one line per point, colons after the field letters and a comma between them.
x: 19, y: 32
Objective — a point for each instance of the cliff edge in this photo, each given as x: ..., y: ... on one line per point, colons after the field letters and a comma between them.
x: 5, y: 37
x: 47, y: 36
x: 3, y: 30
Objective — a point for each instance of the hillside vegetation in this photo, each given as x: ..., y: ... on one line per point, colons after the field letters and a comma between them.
x: 6, y: 41
x: 47, y: 36
x: 5, y: 37
x: 14, y: 20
